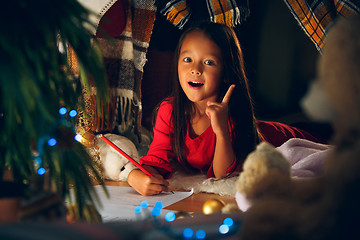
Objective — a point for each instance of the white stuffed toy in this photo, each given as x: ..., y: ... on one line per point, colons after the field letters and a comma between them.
x: 116, y: 166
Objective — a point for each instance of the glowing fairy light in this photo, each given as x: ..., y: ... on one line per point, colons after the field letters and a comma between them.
x: 78, y: 137
x: 170, y: 217
x: 224, y: 229
x: 72, y: 113
x: 158, y: 205
x: 137, y: 209
x: 144, y: 204
x: 156, y: 211
x: 41, y: 171
x: 228, y: 221
x: 62, y: 111
x: 200, y: 234
x: 52, y: 142
x: 188, y: 233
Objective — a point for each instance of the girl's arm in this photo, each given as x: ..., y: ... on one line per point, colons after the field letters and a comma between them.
x: 157, y: 158
x: 224, y: 155
x: 147, y: 185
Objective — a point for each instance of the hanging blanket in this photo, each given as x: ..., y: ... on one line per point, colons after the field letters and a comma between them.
x: 124, y: 31
x: 229, y: 12
x: 316, y: 16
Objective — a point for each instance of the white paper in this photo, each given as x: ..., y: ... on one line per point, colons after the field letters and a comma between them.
x: 122, y: 201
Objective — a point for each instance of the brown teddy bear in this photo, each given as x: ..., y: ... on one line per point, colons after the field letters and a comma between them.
x: 328, y: 206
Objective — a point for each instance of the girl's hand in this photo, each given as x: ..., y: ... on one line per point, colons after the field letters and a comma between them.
x: 147, y: 185
x: 218, y: 113
x: 224, y: 155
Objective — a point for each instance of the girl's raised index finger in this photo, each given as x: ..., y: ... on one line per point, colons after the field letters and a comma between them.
x: 227, y: 96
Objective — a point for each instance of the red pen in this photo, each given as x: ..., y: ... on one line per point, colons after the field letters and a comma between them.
x: 127, y: 156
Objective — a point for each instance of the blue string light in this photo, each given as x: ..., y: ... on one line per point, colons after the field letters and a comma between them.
x: 41, y: 171
x: 156, y: 211
x: 78, y: 137
x: 224, y: 229
x: 72, y: 113
x: 62, y: 111
x: 52, y: 142
x: 170, y: 217
x: 158, y: 205
x: 228, y: 221
x: 137, y: 209
x: 144, y: 204
x: 200, y: 234
x: 188, y: 233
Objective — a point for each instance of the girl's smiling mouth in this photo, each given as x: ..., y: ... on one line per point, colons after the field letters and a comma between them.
x: 195, y: 84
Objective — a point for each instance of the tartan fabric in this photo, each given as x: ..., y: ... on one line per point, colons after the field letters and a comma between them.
x: 177, y: 13
x: 124, y: 55
x: 124, y: 59
x: 317, y: 16
x: 229, y: 12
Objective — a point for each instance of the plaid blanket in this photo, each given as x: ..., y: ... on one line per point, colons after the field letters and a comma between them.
x: 317, y: 16
x: 229, y: 12
x: 124, y: 52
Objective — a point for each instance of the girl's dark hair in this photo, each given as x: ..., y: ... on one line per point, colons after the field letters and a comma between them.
x: 243, y: 123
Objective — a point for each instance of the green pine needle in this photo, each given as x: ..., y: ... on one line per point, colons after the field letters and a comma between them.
x: 35, y: 81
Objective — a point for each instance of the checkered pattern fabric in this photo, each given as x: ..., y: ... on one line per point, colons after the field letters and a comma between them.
x: 125, y: 58
x: 124, y: 40
x: 317, y: 16
x: 229, y: 12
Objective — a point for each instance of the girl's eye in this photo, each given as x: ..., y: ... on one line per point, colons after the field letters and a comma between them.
x: 187, y: 59
x: 209, y: 62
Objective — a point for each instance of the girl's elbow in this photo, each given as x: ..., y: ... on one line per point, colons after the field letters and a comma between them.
x: 220, y: 174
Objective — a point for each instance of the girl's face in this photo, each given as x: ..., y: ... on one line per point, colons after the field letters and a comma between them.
x: 200, y: 68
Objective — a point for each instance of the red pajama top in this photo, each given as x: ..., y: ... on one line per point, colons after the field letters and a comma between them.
x: 199, y: 151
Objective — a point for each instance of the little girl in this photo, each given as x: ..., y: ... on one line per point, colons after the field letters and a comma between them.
x: 209, y: 124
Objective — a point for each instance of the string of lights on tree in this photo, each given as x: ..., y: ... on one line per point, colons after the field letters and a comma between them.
x: 224, y: 229
x: 65, y: 120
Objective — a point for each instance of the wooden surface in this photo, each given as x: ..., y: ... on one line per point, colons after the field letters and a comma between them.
x: 192, y: 204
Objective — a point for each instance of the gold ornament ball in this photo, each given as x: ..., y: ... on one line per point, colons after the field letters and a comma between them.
x: 212, y: 206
